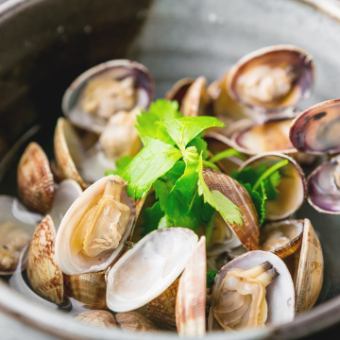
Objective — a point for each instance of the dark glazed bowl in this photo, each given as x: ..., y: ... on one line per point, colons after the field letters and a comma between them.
x: 45, y: 44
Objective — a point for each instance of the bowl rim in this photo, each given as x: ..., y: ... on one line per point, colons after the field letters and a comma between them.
x: 54, y: 323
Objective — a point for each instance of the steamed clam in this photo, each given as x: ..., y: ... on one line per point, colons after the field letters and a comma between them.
x: 250, y: 291
x: 93, y: 231
x: 35, y: 179
x: 147, y: 275
x: 272, y: 79
x: 291, y: 190
x: 102, y: 91
x: 16, y: 228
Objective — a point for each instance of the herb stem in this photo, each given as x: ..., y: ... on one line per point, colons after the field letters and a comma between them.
x: 269, y: 172
x: 225, y: 154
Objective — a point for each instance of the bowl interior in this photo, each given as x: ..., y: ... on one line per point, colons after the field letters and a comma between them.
x: 46, y: 44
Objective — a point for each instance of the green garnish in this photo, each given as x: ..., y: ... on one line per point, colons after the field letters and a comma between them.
x: 261, y: 183
x: 225, y: 154
x: 171, y: 163
x: 211, y: 274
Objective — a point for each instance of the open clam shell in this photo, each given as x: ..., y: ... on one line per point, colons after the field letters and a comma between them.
x: 73, y: 161
x: 44, y: 275
x: 269, y: 136
x: 272, y: 79
x: 316, y: 129
x: 94, y: 229
x: 309, y: 267
x: 146, y: 275
x: 292, y: 187
x: 179, y: 89
x: 191, y: 295
x: 279, y: 297
x: 98, y: 318
x: 107, y: 88
x: 16, y: 228
x: 323, y: 186
x: 283, y: 238
x: 248, y: 232
x: 35, y: 179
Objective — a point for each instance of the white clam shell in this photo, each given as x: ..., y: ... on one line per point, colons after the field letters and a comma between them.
x: 149, y: 268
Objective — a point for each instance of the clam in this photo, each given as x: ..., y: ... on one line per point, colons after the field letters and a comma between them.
x: 35, y: 179
x: 120, y: 137
x: 88, y: 288
x: 191, y: 295
x: 252, y: 290
x: 146, y: 277
x: 283, y: 238
x: 316, y: 129
x: 44, y: 275
x: 272, y: 79
x: 308, y: 272
x: 291, y: 190
x: 231, y: 236
x: 16, y: 228
x: 323, y: 186
x: 105, y: 89
x: 94, y: 229
x: 129, y: 321
x: 269, y: 136
x: 98, y: 318
x: 179, y: 89
x: 73, y: 161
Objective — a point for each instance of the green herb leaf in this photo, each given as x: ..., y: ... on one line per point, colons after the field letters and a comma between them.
x: 151, y: 218
x: 211, y: 274
x: 183, y: 130
x: 151, y: 163
x: 228, y: 210
x: 225, y: 154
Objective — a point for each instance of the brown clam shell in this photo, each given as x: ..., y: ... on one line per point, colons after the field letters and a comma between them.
x: 309, y: 266
x: 44, y: 275
x: 248, y: 233
x: 98, y: 318
x: 283, y: 238
x: 162, y: 309
x: 67, y: 149
x: 195, y: 100
x: 134, y: 322
x: 89, y: 288
x: 191, y: 295
x: 179, y: 89
x: 35, y: 179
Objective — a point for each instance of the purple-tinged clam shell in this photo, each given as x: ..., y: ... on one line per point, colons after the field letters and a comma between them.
x: 324, y: 187
x: 316, y: 130
x: 272, y: 79
x: 105, y: 89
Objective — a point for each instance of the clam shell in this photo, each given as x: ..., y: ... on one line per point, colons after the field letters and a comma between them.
x: 147, y: 270
x: 269, y: 136
x: 134, y: 322
x: 195, y: 100
x: 292, y: 187
x: 44, y: 275
x: 308, y: 277
x: 323, y: 189
x: 35, y: 179
x: 98, y: 318
x: 17, y: 225
x: 88, y: 288
x: 248, y: 232
x: 285, y: 68
x: 68, y: 151
x: 283, y: 238
x: 75, y: 263
x: 191, y: 295
x: 316, y: 129
x: 118, y: 70
x: 280, y: 293
x: 179, y: 89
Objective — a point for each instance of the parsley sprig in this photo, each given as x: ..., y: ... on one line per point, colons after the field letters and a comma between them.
x: 171, y: 163
x: 262, y: 184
